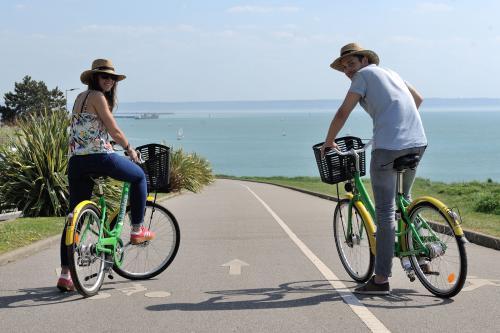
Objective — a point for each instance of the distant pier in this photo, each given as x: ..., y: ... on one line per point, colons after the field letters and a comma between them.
x: 141, y: 115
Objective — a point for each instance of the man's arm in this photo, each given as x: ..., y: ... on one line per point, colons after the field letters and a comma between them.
x: 416, y: 95
x: 340, y: 118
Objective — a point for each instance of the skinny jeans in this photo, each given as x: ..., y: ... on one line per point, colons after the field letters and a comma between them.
x: 384, y: 179
x: 81, y: 167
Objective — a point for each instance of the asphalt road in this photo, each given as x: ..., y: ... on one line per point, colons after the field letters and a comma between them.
x: 253, y: 258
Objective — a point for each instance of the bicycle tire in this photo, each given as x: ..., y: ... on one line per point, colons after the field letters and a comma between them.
x: 445, y: 274
x: 85, y: 265
x: 354, y: 250
x: 147, y: 260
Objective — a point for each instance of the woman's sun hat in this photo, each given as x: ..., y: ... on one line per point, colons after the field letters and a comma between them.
x: 100, y: 66
x: 353, y: 49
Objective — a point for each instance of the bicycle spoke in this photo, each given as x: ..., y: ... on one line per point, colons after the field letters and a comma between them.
x: 150, y: 258
x: 353, y: 247
x: 444, y: 270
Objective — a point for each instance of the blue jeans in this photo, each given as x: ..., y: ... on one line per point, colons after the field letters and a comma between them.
x: 384, y: 178
x: 80, y: 168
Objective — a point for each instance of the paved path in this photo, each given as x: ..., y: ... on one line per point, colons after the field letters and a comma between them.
x: 290, y: 278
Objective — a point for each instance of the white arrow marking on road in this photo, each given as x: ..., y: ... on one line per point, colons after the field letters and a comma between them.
x: 235, y: 266
x: 158, y: 294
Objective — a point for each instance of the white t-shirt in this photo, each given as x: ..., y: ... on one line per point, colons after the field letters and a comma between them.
x: 387, y: 99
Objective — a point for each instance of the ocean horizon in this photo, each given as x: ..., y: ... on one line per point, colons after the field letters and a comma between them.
x: 430, y: 104
x: 275, y: 138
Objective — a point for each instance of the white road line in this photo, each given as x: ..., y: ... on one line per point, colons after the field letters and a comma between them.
x: 356, y: 306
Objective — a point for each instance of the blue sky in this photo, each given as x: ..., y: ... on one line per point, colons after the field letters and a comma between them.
x: 250, y: 50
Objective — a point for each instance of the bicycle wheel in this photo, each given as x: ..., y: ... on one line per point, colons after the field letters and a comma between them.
x: 149, y: 259
x: 354, y: 246
x: 85, y: 265
x: 443, y: 272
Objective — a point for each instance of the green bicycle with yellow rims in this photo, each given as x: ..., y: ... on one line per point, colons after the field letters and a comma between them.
x: 93, y: 236
x: 429, y: 239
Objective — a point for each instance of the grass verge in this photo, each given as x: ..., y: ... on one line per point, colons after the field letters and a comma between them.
x: 24, y: 231
x: 467, y: 197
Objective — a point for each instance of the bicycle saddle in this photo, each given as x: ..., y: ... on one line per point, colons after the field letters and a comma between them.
x: 409, y: 161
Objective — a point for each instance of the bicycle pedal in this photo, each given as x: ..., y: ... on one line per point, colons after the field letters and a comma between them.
x: 411, y: 276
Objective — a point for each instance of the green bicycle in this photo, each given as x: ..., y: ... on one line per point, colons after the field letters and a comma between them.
x: 429, y: 239
x: 93, y: 236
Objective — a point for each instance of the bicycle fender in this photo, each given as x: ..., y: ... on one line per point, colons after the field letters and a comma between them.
x: 443, y: 209
x: 370, y: 226
x: 70, y: 224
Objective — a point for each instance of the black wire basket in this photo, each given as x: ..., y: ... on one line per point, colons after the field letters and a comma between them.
x: 156, y: 166
x: 334, y: 168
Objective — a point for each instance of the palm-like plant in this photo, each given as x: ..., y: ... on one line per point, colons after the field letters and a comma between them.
x: 189, y: 171
x: 33, y: 165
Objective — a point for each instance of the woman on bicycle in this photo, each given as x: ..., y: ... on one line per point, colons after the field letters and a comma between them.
x: 91, y: 153
x: 392, y: 103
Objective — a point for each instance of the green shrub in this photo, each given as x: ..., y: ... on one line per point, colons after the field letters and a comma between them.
x: 33, y: 166
x: 188, y: 171
x: 489, y: 204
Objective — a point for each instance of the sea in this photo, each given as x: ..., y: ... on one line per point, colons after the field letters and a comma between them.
x: 275, y: 138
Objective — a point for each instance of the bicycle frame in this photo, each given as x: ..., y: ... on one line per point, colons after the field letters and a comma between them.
x: 361, y: 199
x: 110, y: 238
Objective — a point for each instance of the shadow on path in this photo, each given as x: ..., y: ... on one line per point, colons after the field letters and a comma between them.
x: 290, y: 295
x: 30, y: 297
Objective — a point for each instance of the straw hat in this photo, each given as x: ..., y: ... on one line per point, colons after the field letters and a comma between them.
x: 353, y: 49
x: 100, y: 66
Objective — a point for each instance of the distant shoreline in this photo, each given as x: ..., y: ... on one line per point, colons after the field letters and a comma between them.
x: 488, y: 104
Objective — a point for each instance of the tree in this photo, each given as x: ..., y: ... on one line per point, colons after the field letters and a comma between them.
x: 31, y: 97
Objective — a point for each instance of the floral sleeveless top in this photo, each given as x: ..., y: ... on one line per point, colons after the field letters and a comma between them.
x: 88, y: 135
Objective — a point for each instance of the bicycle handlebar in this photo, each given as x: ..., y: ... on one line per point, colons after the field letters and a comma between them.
x: 113, y: 144
x: 353, y: 151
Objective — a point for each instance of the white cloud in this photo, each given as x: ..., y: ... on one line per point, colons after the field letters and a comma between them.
x: 401, y: 39
x: 21, y: 6
x: 185, y: 28
x: 39, y: 36
x: 262, y: 9
x: 290, y: 27
x: 433, y: 7
x: 124, y: 29
x: 228, y: 33
x: 136, y: 30
x: 283, y: 35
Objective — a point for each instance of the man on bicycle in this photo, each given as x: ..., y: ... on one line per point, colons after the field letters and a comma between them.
x: 392, y: 103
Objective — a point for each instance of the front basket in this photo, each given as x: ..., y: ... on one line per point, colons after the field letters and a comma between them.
x: 335, y: 168
x: 156, y: 166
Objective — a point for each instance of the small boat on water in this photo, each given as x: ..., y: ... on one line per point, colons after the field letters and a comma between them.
x: 147, y: 116
x: 180, y: 134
